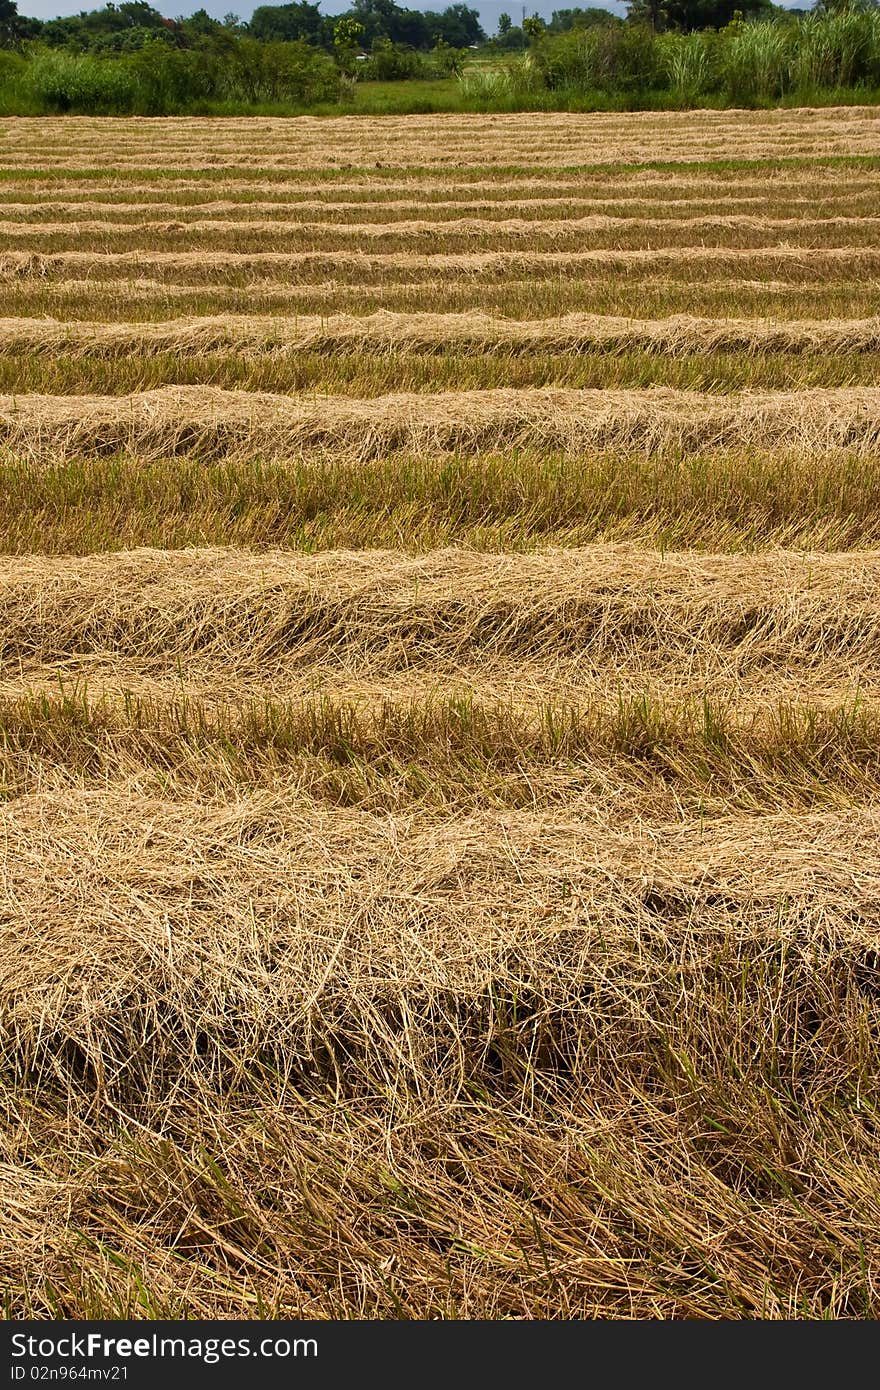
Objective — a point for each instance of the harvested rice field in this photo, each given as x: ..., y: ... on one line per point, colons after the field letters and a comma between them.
x: 440, y: 716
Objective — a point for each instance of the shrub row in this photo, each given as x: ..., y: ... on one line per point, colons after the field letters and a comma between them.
x: 744, y: 63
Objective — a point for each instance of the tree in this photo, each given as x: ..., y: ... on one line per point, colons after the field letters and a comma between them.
x: 9, y: 23
x: 510, y: 38
x: 383, y: 19
x: 563, y: 20
x: 347, y: 36
x: 458, y: 25
x: 505, y: 24
x: 347, y: 32
x: 201, y: 24
x: 534, y: 26
x: 114, y: 28
x: 650, y: 12
x: 286, y: 23
x: 693, y: 14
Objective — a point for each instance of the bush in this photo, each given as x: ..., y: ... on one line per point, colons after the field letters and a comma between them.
x: 170, y: 69
x: 170, y: 80
x: 506, y: 83
x: 12, y: 66
x: 256, y: 73
x: 59, y: 82
x: 689, y: 62
x: 446, y: 61
x: 12, y: 98
x: 745, y: 63
x: 606, y: 58
x: 390, y: 62
x: 757, y: 60
x: 156, y: 80
x: 837, y: 49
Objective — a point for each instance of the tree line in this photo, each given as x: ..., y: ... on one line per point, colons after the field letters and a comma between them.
x: 129, y: 25
x: 125, y: 27
x: 128, y: 57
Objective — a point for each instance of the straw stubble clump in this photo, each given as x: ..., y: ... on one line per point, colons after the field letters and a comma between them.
x: 440, y: 717
x: 522, y: 984
x: 675, y: 335
x: 212, y: 423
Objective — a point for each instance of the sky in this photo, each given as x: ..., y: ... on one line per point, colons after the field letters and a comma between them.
x: 489, y: 10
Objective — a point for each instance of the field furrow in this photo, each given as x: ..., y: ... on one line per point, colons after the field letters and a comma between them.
x: 366, y: 264
x: 440, y: 715
x: 436, y: 333
x: 214, y: 424
x: 360, y: 611
x: 536, y: 140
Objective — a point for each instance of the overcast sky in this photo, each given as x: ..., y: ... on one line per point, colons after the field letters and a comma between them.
x: 489, y: 10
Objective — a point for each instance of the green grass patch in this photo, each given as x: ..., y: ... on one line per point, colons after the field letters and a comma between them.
x: 367, y: 373
x: 723, y: 501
